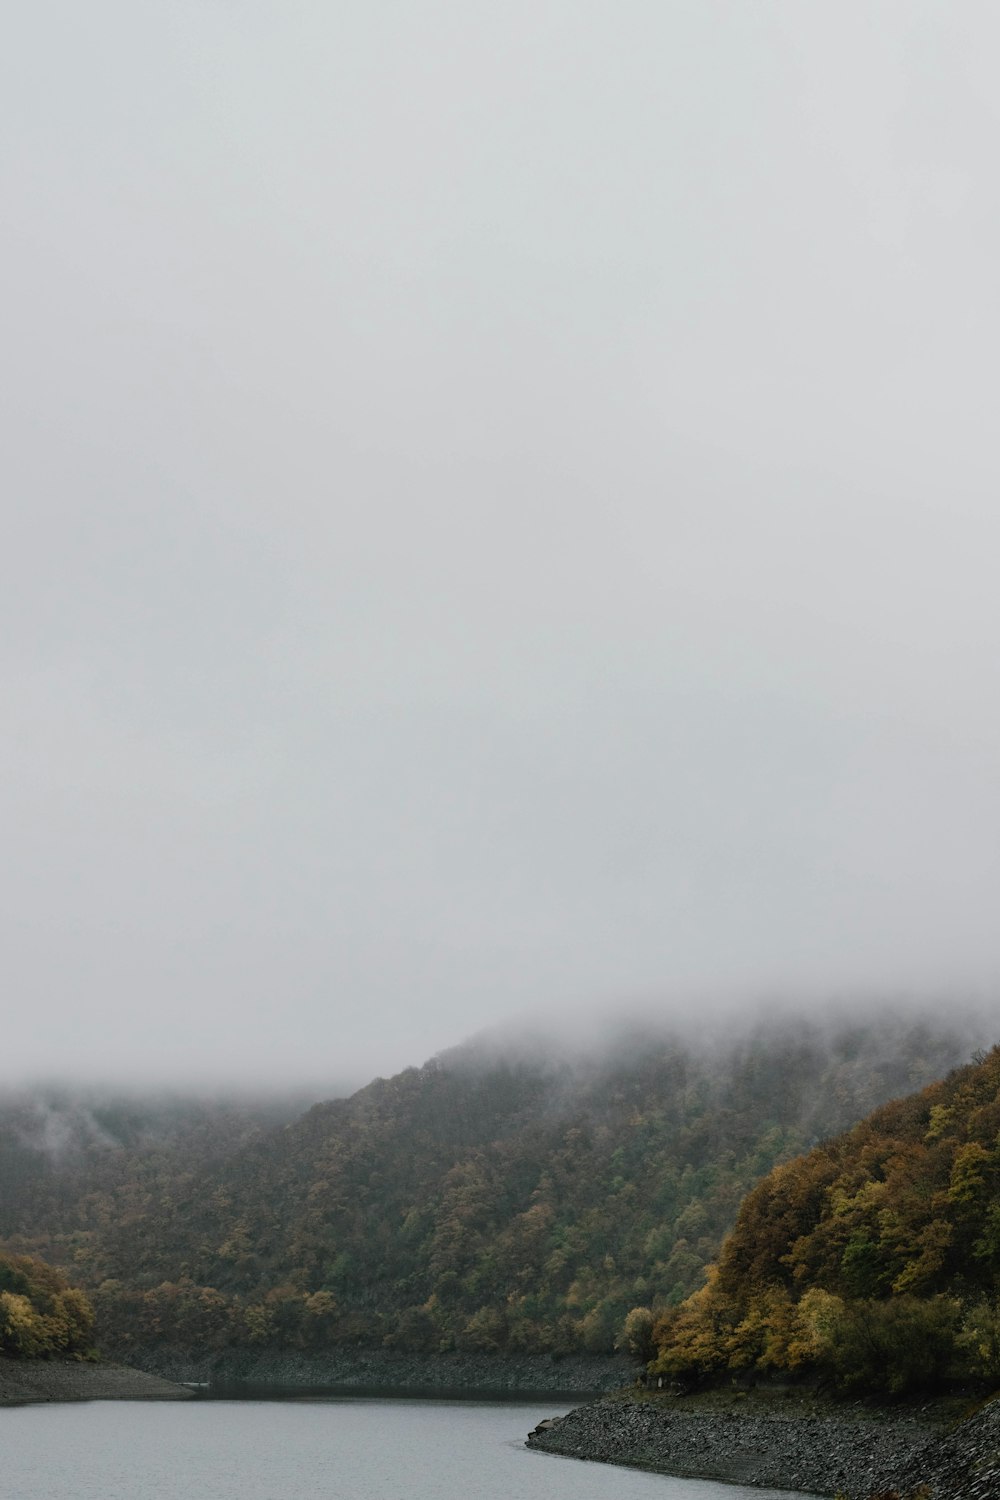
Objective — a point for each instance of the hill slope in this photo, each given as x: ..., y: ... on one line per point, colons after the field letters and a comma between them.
x: 876, y: 1257
x: 505, y: 1197
x: 40, y: 1315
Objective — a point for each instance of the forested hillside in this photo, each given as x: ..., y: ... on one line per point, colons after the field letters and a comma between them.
x: 59, y: 1146
x: 506, y: 1196
x: 40, y: 1315
x: 875, y: 1258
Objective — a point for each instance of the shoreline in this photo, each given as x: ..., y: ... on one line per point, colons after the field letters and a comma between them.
x: 453, y: 1376
x: 771, y: 1439
x: 779, y: 1438
x: 36, y: 1381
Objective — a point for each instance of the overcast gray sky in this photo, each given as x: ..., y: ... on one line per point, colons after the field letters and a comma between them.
x: 501, y: 514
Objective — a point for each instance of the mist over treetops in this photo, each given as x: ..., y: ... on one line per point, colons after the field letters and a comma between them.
x: 516, y: 1193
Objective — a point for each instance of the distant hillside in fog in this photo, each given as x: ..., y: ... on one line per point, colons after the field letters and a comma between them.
x: 512, y: 1194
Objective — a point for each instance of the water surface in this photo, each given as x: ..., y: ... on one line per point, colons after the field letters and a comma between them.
x: 365, y: 1449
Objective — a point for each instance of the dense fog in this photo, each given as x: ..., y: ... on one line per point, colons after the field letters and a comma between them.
x: 503, y: 518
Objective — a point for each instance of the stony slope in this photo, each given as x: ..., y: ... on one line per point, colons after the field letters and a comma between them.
x: 963, y: 1464
x: 68, y: 1380
x: 792, y: 1440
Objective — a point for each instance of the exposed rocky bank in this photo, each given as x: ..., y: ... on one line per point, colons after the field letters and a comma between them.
x: 780, y: 1440
x: 32, y: 1380
x: 964, y: 1464
x: 392, y: 1371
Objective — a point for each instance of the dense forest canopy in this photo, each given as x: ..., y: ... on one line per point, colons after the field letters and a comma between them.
x: 875, y: 1257
x: 58, y: 1144
x: 40, y: 1314
x: 506, y: 1196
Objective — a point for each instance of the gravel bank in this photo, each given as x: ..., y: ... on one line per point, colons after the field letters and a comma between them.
x: 773, y: 1440
x: 964, y: 1464
x: 58, y: 1380
x: 372, y: 1370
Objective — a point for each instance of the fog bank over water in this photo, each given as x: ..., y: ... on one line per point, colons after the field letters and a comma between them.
x: 503, y: 520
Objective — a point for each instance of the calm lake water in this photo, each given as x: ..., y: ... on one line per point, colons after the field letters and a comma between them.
x: 309, y: 1450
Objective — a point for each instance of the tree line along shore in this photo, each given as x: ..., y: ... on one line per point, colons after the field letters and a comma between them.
x: 502, y: 1214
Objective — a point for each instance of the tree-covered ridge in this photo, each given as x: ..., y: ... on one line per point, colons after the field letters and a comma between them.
x: 40, y: 1314
x: 60, y: 1146
x: 499, y: 1198
x: 876, y: 1256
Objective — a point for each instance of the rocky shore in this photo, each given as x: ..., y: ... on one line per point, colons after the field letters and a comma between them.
x: 963, y: 1464
x: 23, y: 1381
x: 354, y: 1371
x: 778, y: 1440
